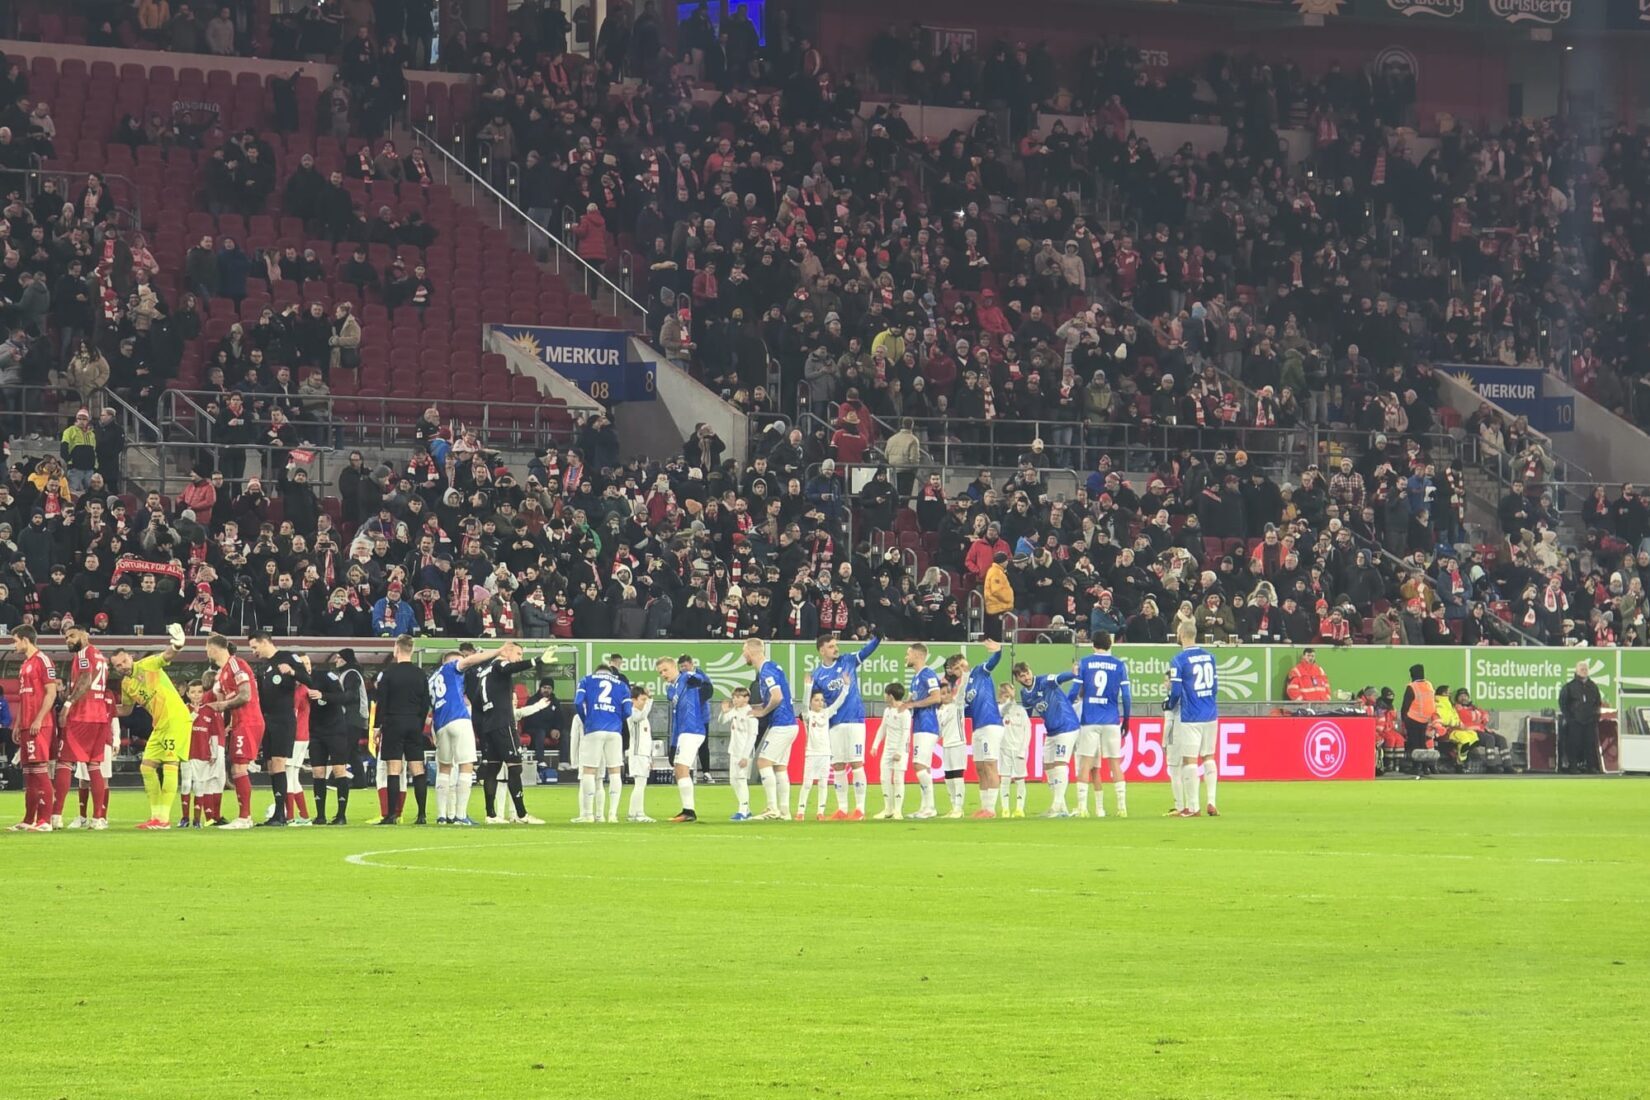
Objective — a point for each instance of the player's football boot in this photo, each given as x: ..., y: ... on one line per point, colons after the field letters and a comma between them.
x: 857, y: 815
x: 1082, y: 811
x: 297, y: 823
x: 643, y: 819
x: 583, y: 819
x: 442, y: 821
x: 77, y: 823
x: 955, y: 813
x: 686, y: 816
x: 152, y: 824
x: 1175, y: 813
x: 529, y: 819
x: 984, y: 815
x: 339, y: 819
x: 57, y: 821
x: 100, y: 824
x: 1211, y: 811
x: 421, y: 820
x: 464, y: 821
x: 925, y: 815
x: 899, y: 814
x: 1189, y: 812
x: 884, y: 814
x: 41, y: 827
x: 495, y: 821
x: 239, y: 823
x: 1122, y: 811
x: 22, y: 827
x: 740, y: 817
x: 1019, y: 814
x: 1053, y: 812
x: 840, y: 815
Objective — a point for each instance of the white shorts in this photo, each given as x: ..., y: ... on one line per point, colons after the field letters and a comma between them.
x: 1058, y: 749
x: 1100, y: 741
x: 574, y: 741
x: 455, y: 743
x: 1195, y: 738
x: 106, y: 766
x: 777, y: 744
x: 602, y: 751
x: 816, y: 768
x: 848, y: 743
x: 988, y: 743
x: 922, y: 749
x: 204, y: 777
x: 741, y: 748
x: 1013, y: 765
x: 640, y: 765
x: 954, y: 758
x: 687, y: 750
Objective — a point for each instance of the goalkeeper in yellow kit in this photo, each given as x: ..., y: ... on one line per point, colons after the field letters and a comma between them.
x: 144, y: 683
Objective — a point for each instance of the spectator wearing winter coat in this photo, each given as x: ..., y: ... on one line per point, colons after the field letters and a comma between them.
x: 590, y: 237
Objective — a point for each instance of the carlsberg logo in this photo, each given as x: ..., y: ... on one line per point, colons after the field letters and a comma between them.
x: 1539, y: 11
x: 1444, y: 9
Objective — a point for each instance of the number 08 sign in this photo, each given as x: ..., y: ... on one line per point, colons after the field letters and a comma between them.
x: 1269, y: 748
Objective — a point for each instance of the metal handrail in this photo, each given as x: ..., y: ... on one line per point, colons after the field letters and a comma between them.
x: 589, y: 270
x: 38, y: 171
x: 483, y: 415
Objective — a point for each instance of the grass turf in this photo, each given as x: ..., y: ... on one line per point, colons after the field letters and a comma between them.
x: 1448, y: 939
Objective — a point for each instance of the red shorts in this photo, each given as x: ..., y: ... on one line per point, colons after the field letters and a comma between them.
x: 36, y: 749
x: 243, y: 747
x: 84, y: 742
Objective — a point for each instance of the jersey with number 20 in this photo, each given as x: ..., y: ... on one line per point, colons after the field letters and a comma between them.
x: 1194, y: 688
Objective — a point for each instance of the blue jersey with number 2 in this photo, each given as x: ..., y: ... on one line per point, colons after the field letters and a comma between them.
x: 602, y: 703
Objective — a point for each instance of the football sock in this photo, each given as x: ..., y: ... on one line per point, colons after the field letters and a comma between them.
x: 638, y: 794
x: 394, y: 793
x: 925, y: 784
x: 383, y: 797
x: 740, y: 780
x: 887, y: 785
x: 839, y: 780
x: 100, y: 793
x: 899, y: 789
x: 956, y: 790
x: 1174, y: 784
x: 65, y: 776
x: 858, y: 774
x: 168, y: 791
x: 400, y: 802
x: 615, y: 792
x: 243, y: 795
x: 83, y: 792
x: 151, y: 787
x: 31, y: 796
x: 303, y: 799
x: 443, y: 794
x: 685, y: 788
x: 188, y: 805
x: 782, y: 784
x: 277, y: 787
x: 1057, y: 781
x: 824, y: 795
x: 988, y: 800
x: 515, y: 790
x: 1211, y: 772
x: 1121, y: 788
x: 587, y: 793
x: 421, y: 791
x: 770, y: 788
x: 291, y: 799
x: 1020, y: 795
x: 489, y: 787
x: 1083, y: 796
x: 340, y: 787
x: 320, y: 797
x: 1188, y: 785
x: 461, y: 794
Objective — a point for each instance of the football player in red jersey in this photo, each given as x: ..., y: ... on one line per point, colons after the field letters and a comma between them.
x: 36, y: 697
x: 86, y: 727
x: 235, y: 695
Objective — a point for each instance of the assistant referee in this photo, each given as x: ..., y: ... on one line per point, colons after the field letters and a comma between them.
x: 403, y: 695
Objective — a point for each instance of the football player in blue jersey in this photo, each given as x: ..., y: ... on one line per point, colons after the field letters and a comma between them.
x: 773, y: 755
x: 837, y: 676
x: 689, y: 691
x: 1104, y: 703
x: 1194, y: 696
x: 455, y: 738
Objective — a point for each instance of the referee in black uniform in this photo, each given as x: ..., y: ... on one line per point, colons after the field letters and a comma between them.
x: 330, y: 745
x: 403, y: 694
x: 280, y: 677
x: 491, y: 689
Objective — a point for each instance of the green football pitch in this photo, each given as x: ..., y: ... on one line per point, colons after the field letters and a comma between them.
x: 1436, y: 939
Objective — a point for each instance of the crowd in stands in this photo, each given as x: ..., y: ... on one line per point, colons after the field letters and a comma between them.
x: 893, y: 300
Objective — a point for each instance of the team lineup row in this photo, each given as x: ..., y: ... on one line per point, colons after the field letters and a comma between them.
x: 288, y: 714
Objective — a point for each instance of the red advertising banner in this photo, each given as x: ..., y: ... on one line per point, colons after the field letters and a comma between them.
x: 1258, y: 748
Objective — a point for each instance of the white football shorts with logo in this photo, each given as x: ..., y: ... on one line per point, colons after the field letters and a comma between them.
x: 777, y: 743
x: 1195, y: 738
x: 922, y: 749
x: 687, y: 750
x: 1106, y: 740
x: 1059, y: 749
x: 455, y: 743
x: 741, y: 746
x: 988, y: 743
x: 848, y: 743
x: 602, y: 750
